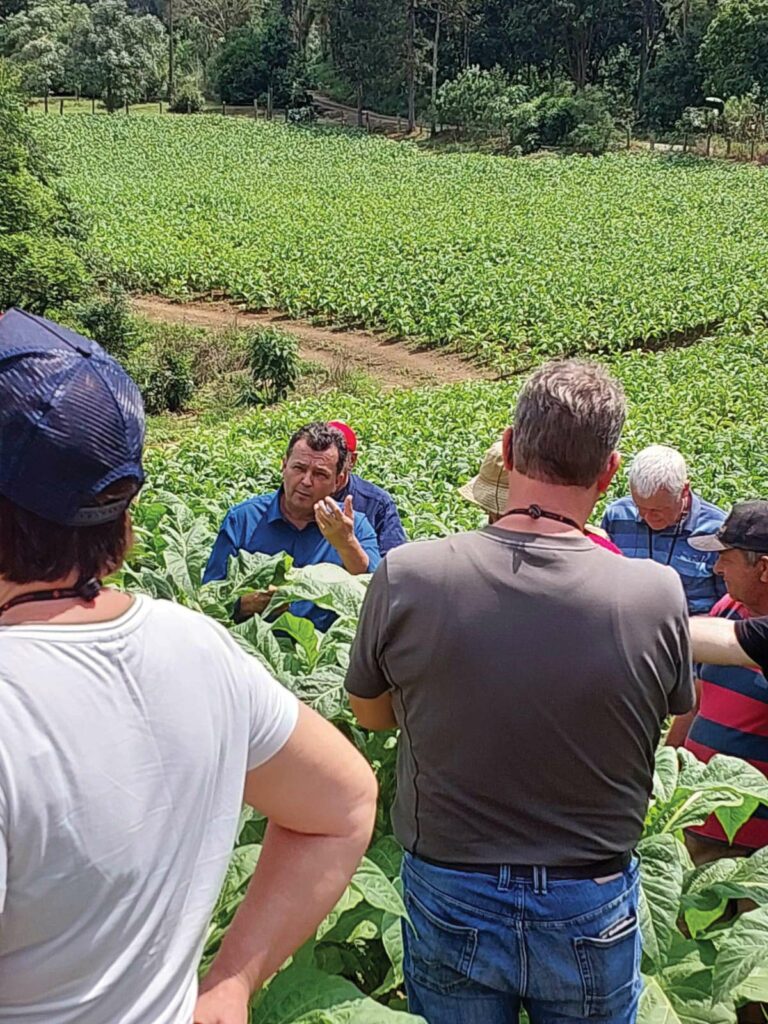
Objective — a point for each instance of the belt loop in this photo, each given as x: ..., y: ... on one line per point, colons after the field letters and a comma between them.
x: 535, y: 880
x: 504, y: 878
x: 543, y: 883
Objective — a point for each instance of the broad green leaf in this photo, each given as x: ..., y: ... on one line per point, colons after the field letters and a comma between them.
x: 303, y: 632
x: 742, y: 948
x: 662, y: 860
x: 305, y: 996
x: 371, y: 882
x: 665, y: 775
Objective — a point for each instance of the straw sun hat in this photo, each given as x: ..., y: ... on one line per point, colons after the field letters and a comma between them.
x: 489, y: 488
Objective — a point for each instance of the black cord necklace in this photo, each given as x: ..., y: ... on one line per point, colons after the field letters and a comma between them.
x: 537, y: 512
x: 86, y: 591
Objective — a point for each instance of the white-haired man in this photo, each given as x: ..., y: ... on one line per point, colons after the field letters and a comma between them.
x: 659, y: 516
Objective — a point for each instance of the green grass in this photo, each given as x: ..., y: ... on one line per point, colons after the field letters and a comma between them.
x: 509, y: 260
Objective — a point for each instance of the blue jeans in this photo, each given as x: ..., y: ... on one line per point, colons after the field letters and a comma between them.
x: 480, y: 947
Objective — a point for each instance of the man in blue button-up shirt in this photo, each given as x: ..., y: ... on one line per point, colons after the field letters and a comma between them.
x: 300, y: 518
x: 657, y: 518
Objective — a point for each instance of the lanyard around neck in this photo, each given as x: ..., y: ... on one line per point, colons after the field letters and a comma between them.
x: 537, y: 512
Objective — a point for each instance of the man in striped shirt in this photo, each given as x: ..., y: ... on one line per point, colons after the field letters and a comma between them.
x: 732, y: 715
x: 659, y: 516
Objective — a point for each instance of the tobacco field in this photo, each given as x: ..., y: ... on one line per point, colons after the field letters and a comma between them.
x: 508, y: 260
x: 708, y: 399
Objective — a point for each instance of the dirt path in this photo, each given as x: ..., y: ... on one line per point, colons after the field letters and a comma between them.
x: 390, y: 362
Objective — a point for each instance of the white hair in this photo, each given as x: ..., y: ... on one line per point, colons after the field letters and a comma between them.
x: 658, y: 468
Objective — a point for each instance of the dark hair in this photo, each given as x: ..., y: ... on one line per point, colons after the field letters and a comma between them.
x: 34, y: 549
x: 320, y: 437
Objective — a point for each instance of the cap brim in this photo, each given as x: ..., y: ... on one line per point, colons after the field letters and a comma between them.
x: 707, y: 542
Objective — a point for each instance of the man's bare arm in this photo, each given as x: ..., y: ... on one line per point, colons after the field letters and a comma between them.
x: 714, y: 642
x: 375, y: 713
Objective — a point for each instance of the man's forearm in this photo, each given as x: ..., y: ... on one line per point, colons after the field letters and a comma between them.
x: 714, y: 642
x: 353, y: 557
x: 278, y: 913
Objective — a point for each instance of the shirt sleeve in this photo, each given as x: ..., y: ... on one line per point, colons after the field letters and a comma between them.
x: 390, y: 529
x: 365, y: 675
x: 752, y: 635
x: 223, y: 549
x: 682, y: 696
x: 366, y: 534
x: 274, y: 710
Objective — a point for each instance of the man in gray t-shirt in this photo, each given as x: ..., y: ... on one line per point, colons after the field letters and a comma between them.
x: 530, y: 672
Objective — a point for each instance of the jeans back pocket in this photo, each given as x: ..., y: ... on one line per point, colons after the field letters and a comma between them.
x: 609, y: 967
x: 438, y: 952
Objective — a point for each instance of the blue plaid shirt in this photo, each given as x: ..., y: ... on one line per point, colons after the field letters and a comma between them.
x: 670, y: 546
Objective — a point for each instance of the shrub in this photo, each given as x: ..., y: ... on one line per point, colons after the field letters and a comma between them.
x: 163, y: 371
x: 579, y: 122
x: 107, y: 319
x: 188, y: 98
x: 479, y: 101
x: 39, y: 273
x: 273, y: 364
x: 39, y: 269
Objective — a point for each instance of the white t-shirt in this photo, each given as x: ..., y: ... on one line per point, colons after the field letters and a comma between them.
x: 123, y: 752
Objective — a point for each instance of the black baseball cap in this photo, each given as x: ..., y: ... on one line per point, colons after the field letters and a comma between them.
x: 745, y: 528
x: 71, y: 422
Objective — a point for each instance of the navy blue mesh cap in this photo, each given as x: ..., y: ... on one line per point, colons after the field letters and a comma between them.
x: 71, y: 422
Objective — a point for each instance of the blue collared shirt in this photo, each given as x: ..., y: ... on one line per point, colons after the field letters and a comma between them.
x: 379, y: 508
x: 670, y: 546
x: 257, y: 525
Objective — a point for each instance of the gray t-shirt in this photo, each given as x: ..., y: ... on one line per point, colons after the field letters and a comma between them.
x: 530, y: 676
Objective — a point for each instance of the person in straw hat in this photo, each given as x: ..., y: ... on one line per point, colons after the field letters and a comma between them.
x: 488, y: 489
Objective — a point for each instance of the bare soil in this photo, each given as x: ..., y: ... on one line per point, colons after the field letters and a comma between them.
x: 387, y: 360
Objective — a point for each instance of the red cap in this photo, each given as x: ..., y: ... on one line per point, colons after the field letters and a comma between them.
x: 349, y: 435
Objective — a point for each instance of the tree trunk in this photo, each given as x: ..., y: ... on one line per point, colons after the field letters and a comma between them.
x: 411, y: 65
x: 171, y: 54
x: 359, y: 104
x: 435, y: 55
x: 465, y: 55
x: 269, y: 102
x: 645, y: 38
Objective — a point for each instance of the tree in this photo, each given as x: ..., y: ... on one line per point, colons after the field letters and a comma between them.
x: 121, y: 56
x: 38, y: 42
x: 734, y: 54
x: 367, y: 39
x: 260, y: 56
x: 220, y: 17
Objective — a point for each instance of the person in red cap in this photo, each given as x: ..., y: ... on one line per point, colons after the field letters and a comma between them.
x: 374, y: 502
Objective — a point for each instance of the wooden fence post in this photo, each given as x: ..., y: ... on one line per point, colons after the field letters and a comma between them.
x: 160, y: 105
x: 127, y: 111
x: 269, y: 102
x: 45, y: 103
x: 224, y: 109
x: 93, y: 104
x: 61, y: 105
x: 256, y: 108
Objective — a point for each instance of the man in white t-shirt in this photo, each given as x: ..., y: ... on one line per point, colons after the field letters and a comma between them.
x: 131, y: 730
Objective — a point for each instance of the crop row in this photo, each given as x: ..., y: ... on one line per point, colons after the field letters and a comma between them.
x: 506, y: 259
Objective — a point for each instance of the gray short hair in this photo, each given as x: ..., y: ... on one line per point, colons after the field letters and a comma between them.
x: 753, y: 557
x: 568, y: 420
x: 658, y: 468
